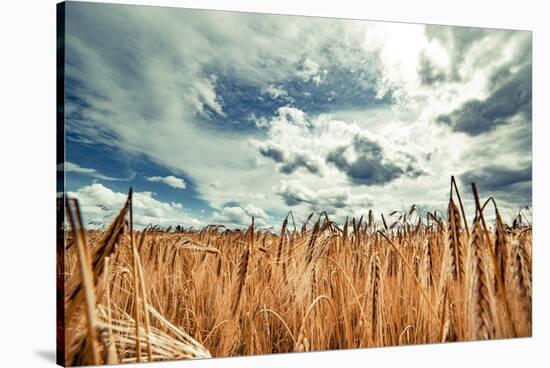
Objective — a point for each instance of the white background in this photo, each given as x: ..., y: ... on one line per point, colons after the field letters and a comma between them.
x: 27, y: 181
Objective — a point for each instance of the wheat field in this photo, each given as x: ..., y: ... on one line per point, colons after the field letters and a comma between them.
x: 131, y: 295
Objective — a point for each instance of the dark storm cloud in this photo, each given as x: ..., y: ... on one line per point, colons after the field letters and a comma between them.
x: 369, y: 166
x: 276, y: 154
x: 292, y: 198
x: 512, y: 185
x: 476, y: 116
x: 497, y: 178
x: 366, y: 169
x: 291, y: 161
x: 300, y: 160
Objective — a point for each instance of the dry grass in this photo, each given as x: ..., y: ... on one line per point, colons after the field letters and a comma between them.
x: 147, y: 295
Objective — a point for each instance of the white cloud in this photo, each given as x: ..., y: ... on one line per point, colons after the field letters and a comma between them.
x: 254, y: 211
x: 338, y: 201
x: 232, y: 215
x: 296, y: 141
x: 292, y: 115
x: 237, y: 216
x: 295, y: 193
x: 147, y: 209
x: 168, y: 180
x: 205, y: 96
x: 72, y: 167
x: 275, y: 92
x: 309, y: 70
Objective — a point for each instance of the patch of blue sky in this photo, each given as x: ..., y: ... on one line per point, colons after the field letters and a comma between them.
x: 339, y: 89
x: 119, y: 171
x: 240, y: 101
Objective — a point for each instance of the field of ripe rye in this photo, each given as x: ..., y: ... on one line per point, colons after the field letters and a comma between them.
x: 407, y: 278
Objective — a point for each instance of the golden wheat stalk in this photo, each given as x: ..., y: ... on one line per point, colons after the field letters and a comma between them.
x: 87, y: 276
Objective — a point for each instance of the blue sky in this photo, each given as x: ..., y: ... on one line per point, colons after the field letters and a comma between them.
x: 217, y: 117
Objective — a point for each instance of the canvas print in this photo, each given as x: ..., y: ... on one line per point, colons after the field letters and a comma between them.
x: 236, y: 184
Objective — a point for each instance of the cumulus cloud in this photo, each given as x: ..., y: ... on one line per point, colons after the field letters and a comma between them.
x: 254, y: 211
x: 338, y: 202
x: 232, y: 215
x: 512, y: 98
x: 513, y: 185
x: 290, y: 160
x: 100, y: 205
x: 309, y: 70
x: 170, y: 180
x: 273, y: 151
x: 364, y: 163
x: 290, y: 157
x: 295, y: 193
x: 314, y: 144
x: 301, y: 159
x: 238, y: 216
x: 275, y: 92
x: 292, y: 115
x: 497, y: 178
